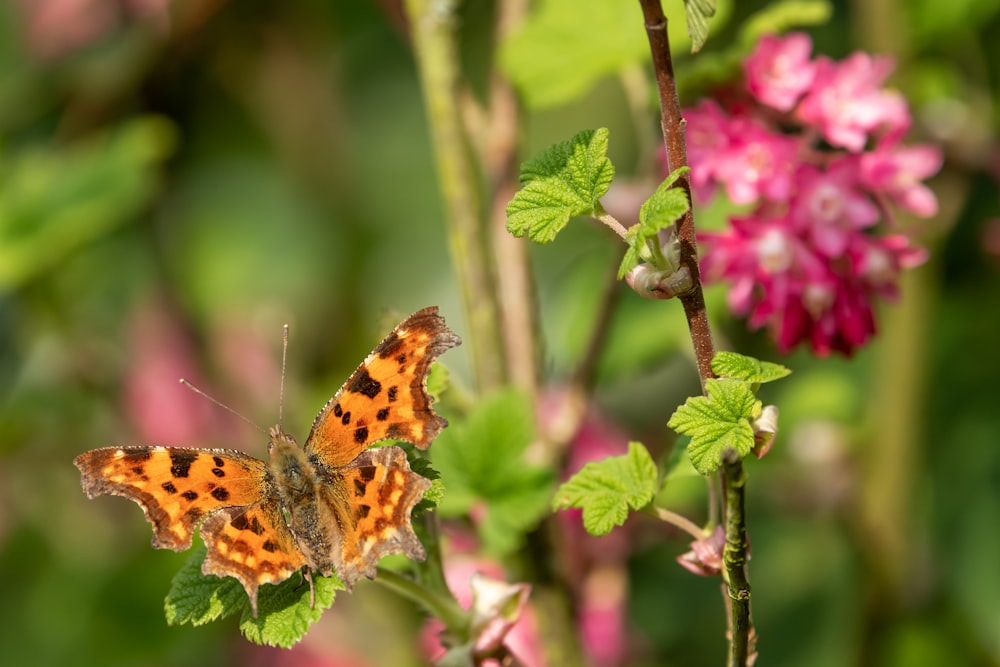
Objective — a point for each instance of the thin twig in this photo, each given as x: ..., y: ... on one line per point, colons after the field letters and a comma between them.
x: 672, y: 125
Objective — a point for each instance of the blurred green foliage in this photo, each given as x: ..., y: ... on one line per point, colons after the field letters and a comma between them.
x: 233, y: 166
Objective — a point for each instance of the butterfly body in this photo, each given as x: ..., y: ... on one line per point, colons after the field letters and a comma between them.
x: 332, y: 505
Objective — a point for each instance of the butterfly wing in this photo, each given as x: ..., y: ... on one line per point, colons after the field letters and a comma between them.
x: 386, y: 397
x: 177, y: 488
x: 372, y: 498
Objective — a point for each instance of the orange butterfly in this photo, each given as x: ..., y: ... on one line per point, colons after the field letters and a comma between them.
x: 333, y: 504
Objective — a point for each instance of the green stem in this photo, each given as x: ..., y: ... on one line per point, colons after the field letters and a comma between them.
x: 432, y: 25
x: 734, y: 559
x: 439, y: 606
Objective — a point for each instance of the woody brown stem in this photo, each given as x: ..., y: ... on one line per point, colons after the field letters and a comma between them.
x: 693, y: 301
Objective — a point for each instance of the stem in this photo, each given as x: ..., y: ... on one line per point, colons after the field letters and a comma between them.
x: 682, y: 522
x: 734, y: 560
x: 432, y: 25
x: 672, y: 125
x: 609, y: 220
x: 439, y: 606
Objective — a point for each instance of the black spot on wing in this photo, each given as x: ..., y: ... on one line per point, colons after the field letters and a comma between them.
x: 359, y: 487
x: 135, y: 456
x: 382, y: 414
x: 180, y: 463
x: 190, y: 495
x: 169, y: 487
x: 361, y: 434
x: 219, y: 462
x: 220, y: 493
x: 363, y: 383
x: 389, y: 346
x: 346, y: 419
x: 367, y: 473
x: 393, y: 391
x: 218, y: 472
x: 337, y: 410
x: 363, y: 510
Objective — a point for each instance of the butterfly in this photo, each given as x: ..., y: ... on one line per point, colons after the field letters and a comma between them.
x: 332, y: 505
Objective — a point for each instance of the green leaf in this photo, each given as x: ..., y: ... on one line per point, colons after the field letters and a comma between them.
x: 284, y: 610
x: 284, y: 613
x: 438, y: 380
x: 663, y: 208
x: 740, y: 367
x: 55, y: 200
x: 198, y: 598
x: 698, y: 12
x: 432, y: 496
x: 605, y: 490
x: 565, y: 47
x: 482, y: 465
x: 568, y: 179
x: 718, y: 421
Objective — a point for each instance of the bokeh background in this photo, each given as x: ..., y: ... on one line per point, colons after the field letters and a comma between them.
x: 180, y: 178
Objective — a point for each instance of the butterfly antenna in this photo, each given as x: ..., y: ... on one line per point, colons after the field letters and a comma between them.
x: 284, y: 362
x: 221, y: 405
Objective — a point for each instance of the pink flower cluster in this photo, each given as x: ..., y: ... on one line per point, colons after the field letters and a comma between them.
x: 813, y: 148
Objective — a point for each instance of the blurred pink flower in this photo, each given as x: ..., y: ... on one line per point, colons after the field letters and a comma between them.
x: 502, y: 614
x: 779, y: 71
x: 829, y: 205
x: 757, y: 163
x: 810, y: 257
x: 898, y: 171
x: 161, y: 409
x: 55, y: 28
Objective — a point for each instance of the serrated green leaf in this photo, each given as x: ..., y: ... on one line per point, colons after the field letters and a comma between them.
x: 564, y: 47
x: 438, y: 380
x: 198, y: 598
x: 741, y: 367
x: 718, y: 421
x: 481, y: 462
x: 432, y: 496
x: 284, y: 610
x: 698, y: 12
x: 663, y: 208
x: 607, y: 489
x: 567, y: 179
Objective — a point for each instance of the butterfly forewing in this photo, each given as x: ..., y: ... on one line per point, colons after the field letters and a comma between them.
x: 386, y: 397
x: 176, y: 487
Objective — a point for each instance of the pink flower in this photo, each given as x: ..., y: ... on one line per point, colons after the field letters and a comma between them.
x: 829, y: 205
x: 500, y: 613
x: 809, y: 260
x: 707, y: 136
x: 779, y: 71
x: 705, y: 557
x: 846, y: 101
x: 756, y: 163
x: 897, y: 171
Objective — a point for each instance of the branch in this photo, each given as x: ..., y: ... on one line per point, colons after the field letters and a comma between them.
x: 432, y: 25
x: 734, y: 561
x: 672, y: 125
